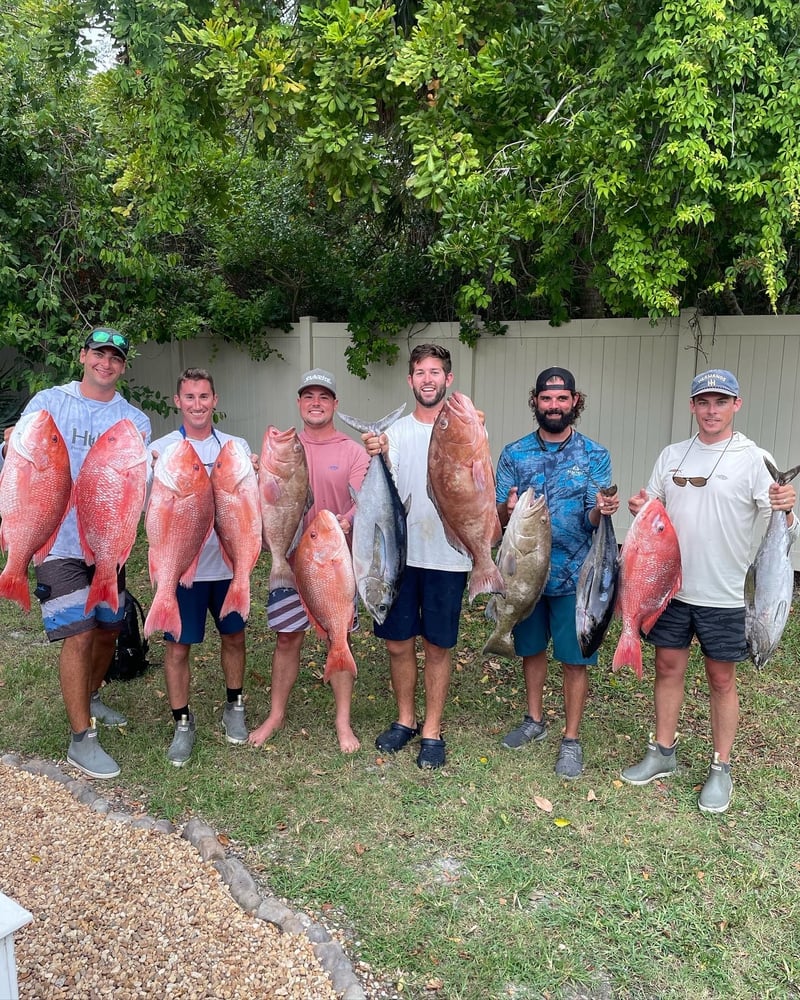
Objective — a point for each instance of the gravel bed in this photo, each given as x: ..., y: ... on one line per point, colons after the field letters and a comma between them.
x: 128, y: 907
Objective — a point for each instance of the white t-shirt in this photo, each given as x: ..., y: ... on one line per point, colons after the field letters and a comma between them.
x: 408, y: 453
x: 716, y: 523
x: 212, y: 565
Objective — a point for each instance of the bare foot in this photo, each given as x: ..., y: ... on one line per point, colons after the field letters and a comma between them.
x: 348, y: 741
x: 267, y: 728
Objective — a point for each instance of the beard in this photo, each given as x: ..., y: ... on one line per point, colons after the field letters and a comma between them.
x: 433, y: 401
x: 555, y: 422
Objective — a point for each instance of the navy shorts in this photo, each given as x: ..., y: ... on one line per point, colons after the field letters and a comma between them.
x: 429, y: 604
x: 62, y: 590
x: 195, y: 602
x: 720, y: 631
x: 552, y: 618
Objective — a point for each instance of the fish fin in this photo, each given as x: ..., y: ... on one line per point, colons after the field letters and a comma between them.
x: 296, y: 540
x: 628, y: 654
x: 508, y: 565
x: 479, y: 477
x: 490, y: 612
x: 339, y: 659
x: 103, y: 589
x: 270, y: 487
x: 488, y: 581
x: 15, y: 589
x: 649, y: 621
x: 309, y: 503
x: 187, y: 579
x: 41, y: 554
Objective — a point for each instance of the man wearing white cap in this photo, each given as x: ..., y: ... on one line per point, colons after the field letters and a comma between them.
x: 336, y: 465
x: 715, y: 486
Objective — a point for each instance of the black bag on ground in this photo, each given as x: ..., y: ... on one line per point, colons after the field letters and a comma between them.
x: 130, y: 656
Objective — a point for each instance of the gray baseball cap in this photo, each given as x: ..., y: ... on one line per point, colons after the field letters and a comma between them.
x: 319, y: 378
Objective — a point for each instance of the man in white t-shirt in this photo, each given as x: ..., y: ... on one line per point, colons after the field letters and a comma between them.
x: 715, y: 487
x: 196, y: 401
x: 429, y: 602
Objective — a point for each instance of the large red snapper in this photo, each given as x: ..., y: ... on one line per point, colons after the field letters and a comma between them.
x: 179, y: 519
x: 285, y: 497
x: 327, y: 587
x: 237, y: 518
x: 461, y: 486
x: 649, y: 577
x: 109, y: 499
x: 35, y: 496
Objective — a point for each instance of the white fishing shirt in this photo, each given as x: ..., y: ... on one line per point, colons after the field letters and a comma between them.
x: 717, y: 523
x: 212, y: 565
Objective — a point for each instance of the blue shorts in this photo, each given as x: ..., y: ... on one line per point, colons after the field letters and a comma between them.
x: 720, y: 631
x: 553, y: 617
x: 429, y: 604
x: 63, y: 589
x: 194, y: 603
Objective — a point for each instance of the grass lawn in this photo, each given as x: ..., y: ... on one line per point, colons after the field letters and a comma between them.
x: 492, y: 878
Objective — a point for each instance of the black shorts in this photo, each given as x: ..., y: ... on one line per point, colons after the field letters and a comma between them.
x: 720, y: 631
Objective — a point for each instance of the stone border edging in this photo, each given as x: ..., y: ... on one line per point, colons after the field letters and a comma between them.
x: 234, y: 874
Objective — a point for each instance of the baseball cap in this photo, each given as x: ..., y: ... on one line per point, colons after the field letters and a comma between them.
x: 555, y: 378
x: 320, y: 378
x: 715, y: 380
x: 106, y: 336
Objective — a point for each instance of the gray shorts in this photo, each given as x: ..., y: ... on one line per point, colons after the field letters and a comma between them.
x: 62, y: 589
x: 720, y: 631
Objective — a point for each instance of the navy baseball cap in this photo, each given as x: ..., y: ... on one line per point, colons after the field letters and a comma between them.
x: 555, y: 378
x: 715, y: 380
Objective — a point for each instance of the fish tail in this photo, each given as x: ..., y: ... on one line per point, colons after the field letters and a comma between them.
x: 340, y: 658
x: 15, y: 588
x: 164, y: 616
x: 237, y: 599
x: 628, y: 654
x: 281, y: 575
x: 103, y: 590
x: 501, y: 644
x: 486, y: 581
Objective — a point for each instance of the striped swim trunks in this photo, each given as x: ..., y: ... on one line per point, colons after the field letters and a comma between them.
x: 285, y: 612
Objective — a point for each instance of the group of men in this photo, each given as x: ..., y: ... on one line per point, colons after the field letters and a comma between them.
x: 715, y: 487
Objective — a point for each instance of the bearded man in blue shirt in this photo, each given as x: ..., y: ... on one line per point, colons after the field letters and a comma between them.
x: 569, y: 469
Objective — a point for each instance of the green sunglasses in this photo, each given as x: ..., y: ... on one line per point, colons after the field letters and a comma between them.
x: 106, y: 337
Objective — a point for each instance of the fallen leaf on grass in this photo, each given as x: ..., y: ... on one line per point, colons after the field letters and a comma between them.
x: 224, y: 839
x: 616, y: 783
x: 591, y: 797
x: 544, y: 804
x: 359, y: 848
x: 560, y: 821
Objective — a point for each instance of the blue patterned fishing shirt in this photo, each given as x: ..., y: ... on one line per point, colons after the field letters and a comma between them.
x: 569, y: 475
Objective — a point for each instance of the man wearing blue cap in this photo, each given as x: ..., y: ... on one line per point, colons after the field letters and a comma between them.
x: 715, y: 486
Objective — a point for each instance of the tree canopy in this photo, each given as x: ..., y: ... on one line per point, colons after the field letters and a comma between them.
x: 242, y: 163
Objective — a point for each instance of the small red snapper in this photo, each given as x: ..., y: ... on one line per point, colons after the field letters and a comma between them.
x: 649, y: 577
x: 109, y: 499
x: 237, y: 519
x: 461, y: 486
x: 179, y: 519
x: 35, y: 496
x: 327, y: 587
